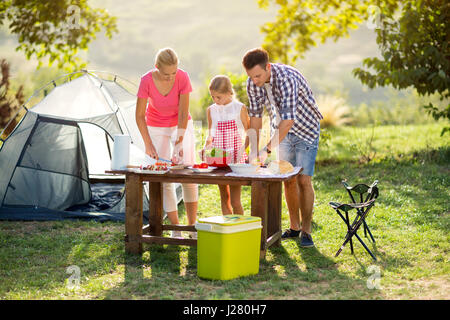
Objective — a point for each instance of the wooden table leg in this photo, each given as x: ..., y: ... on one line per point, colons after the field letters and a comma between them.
x: 155, y: 209
x: 259, y: 208
x: 133, y: 214
x: 274, y: 213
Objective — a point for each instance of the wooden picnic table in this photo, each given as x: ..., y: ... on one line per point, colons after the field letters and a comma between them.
x: 266, y: 197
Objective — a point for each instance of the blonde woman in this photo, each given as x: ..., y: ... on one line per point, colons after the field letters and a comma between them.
x: 163, y: 119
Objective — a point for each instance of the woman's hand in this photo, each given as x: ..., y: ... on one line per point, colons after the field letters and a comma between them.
x: 177, y: 155
x: 151, y: 151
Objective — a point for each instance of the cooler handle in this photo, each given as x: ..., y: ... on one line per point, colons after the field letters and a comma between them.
x: 203, y: 226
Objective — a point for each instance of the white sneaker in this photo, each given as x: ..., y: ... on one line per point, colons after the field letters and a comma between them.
x: 176, y: 234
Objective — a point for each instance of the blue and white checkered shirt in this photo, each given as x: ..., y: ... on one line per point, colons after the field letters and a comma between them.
x: 293, y: 100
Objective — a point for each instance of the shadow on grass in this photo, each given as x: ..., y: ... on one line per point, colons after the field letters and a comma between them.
x: 311, y: 275
x: 149, y: 275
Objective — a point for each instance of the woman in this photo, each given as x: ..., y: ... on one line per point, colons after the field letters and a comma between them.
x: 167, y: 128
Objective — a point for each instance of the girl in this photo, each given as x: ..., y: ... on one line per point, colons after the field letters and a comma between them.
x: 228, y: 122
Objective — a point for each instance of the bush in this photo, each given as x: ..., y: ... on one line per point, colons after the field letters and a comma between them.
x: 334, y: 110
x: 9, y: 102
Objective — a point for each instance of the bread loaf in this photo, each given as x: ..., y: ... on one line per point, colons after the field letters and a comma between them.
x: 280, y: 167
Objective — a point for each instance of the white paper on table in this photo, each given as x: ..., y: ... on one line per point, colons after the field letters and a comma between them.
x: 264, y: 172
x: 121, y: 152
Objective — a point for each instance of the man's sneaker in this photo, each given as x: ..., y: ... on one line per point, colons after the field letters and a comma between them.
x: 306, y: 240
x: 289, y: 233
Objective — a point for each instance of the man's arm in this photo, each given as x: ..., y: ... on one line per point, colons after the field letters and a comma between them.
x: 279, y: 135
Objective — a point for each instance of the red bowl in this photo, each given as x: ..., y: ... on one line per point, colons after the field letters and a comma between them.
x: 219, y: 161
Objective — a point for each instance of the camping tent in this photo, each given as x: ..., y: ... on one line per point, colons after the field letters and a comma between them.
x: 49, y: 160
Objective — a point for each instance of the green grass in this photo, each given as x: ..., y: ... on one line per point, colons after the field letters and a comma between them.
x: 410, y: 223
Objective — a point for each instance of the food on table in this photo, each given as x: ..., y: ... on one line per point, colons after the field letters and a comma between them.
x: 217, y: 153
x: 158, y: 166
x: 218, y: 157
x: 280, y: 167
x: 202, y: 165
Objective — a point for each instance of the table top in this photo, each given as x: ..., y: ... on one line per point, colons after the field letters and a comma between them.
x: 216, y: 176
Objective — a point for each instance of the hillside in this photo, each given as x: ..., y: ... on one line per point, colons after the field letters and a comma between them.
x: 209, y: 37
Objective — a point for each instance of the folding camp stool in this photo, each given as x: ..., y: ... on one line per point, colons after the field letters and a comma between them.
x: 365, y: 194
x: 362, y: 209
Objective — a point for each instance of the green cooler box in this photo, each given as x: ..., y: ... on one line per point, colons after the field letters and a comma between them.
x: 228, y: 246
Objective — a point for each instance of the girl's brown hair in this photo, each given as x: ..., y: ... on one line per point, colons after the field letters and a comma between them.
x: 221, y: 84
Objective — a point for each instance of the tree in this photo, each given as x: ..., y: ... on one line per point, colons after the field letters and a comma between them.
x: 413, y: 37
x: 9, y: 103
x: 55, y: 29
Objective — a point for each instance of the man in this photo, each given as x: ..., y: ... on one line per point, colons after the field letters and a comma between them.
x: 295, y: 122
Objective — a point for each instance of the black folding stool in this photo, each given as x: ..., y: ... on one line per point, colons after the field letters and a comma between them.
x: 364, y: 196
x: 362, y: 210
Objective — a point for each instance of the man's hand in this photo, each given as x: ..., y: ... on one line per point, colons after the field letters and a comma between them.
x: 263, y: 155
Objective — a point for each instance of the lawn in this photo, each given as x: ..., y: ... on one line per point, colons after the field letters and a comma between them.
x: 410, y: 223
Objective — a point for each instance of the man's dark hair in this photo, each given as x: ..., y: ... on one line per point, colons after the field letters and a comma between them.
x: 253, y: 57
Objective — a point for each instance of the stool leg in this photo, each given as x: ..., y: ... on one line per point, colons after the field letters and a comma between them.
x: 365, y: 247
x: 368, y: 230
x: 348, y: 231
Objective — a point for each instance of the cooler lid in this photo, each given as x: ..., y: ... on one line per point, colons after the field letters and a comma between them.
x: 230, y: 220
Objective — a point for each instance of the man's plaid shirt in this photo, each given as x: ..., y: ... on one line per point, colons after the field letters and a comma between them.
x: 293, y: 99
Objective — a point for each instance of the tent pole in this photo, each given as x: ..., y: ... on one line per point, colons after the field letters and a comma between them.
x: 107, y: 144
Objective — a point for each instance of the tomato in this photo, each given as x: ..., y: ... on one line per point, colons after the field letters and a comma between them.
x: 204, y: 165
x: 196, y: 166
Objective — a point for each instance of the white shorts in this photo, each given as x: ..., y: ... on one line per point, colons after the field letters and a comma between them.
x: 163, y: 138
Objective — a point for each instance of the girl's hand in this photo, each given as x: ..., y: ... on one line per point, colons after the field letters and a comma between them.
x: 202, y: 153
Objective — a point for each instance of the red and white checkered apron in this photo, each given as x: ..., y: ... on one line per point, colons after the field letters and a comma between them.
x: 227, y: 138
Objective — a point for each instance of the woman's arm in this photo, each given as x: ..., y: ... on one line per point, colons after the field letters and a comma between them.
x: 141, y: 105
x: 183, y: 115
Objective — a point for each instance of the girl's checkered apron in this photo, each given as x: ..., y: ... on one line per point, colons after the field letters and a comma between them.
x: 227, y: 129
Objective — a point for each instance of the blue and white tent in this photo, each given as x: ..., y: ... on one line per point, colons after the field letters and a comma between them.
x: 50, y: 160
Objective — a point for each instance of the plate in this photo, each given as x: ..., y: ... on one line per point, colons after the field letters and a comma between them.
x: 200, y: 170
x: 244, y: 168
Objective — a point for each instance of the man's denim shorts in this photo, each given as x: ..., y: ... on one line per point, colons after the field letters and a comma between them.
x: 299, y: 152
